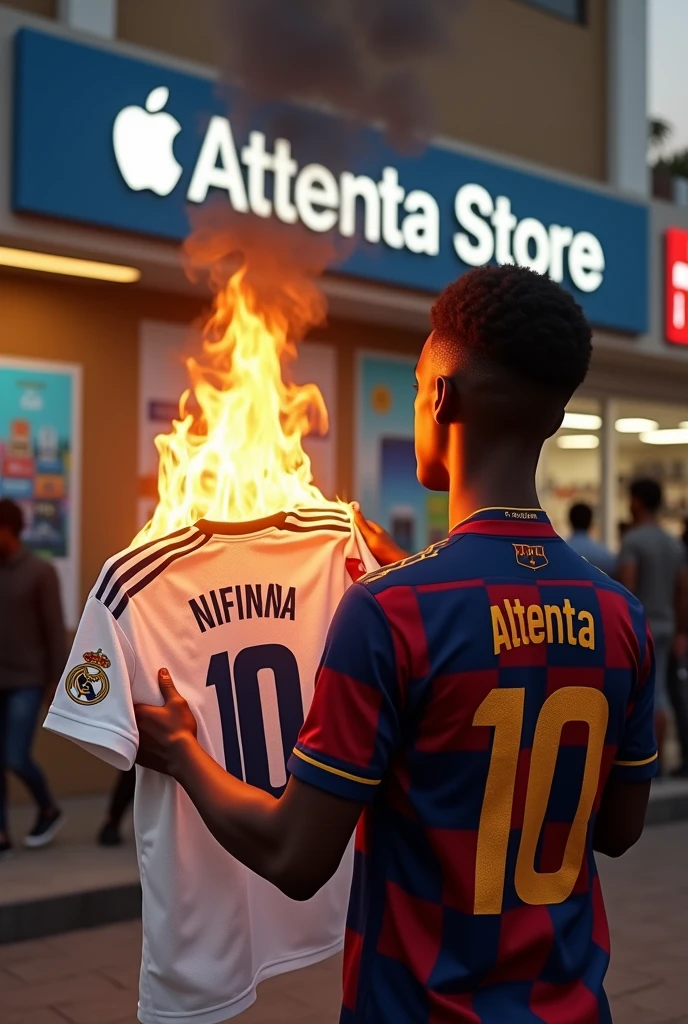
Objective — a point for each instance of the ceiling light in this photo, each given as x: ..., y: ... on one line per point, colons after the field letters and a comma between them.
x: 47, y: 263
x: 579, y: 441
x: 581, y: 421
x: 635, y: 425
x: 679, y: 435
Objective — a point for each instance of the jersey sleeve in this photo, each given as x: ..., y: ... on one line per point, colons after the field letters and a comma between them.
x: 636, y: 757
x: 352, y: 727
x: 93, y: 704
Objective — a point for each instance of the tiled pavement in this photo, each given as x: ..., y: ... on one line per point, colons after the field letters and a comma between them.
x: 90, y: 977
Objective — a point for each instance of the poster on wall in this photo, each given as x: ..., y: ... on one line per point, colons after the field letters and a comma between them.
x: 163, y: 350
x: 40, y: 461
x: 386, y: 483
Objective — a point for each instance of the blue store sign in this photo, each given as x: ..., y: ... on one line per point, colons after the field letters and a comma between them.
x: 123, y: 143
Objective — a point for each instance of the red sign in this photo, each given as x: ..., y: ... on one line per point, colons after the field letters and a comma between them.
x: 676, y: 326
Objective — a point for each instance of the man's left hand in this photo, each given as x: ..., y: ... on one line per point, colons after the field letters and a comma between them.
x: 164, y: 732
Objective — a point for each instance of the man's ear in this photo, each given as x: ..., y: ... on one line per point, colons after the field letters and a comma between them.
x: 446, y: 401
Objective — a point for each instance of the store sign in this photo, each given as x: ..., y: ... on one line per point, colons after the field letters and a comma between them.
x: 676, y: 324
x: 122, y: 143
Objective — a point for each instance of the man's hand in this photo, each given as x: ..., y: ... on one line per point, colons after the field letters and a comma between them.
x: 379, y: 542
x: 164, y: 732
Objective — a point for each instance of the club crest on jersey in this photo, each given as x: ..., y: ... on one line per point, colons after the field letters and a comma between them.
x: 88, y: 683
x: 531, y: 556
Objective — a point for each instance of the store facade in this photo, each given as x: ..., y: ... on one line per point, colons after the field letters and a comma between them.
x: 111, y: 149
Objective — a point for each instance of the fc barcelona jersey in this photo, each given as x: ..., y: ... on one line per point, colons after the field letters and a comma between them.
x: 477, y: 698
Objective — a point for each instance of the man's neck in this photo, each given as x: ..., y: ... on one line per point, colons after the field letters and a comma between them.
x: 467, y: 497
x: 490, y: 475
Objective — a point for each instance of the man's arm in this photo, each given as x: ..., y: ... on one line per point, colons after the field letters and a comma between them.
x: 621, y: 816
x: 681, y: 607
x: 627, y: 573
x: 296, y: 842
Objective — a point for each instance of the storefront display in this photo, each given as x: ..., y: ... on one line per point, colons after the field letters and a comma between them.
x: 39, y: 461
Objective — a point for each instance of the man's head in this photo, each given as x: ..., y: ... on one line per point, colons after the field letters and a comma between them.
x: 507, y: 350
x: 646, y: 499
x: 580, y: 517
x: 11, y: 526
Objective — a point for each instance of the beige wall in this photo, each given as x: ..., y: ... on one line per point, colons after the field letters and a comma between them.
x: 516, y: 80
x: 46, y: 8
x: 528, y: 84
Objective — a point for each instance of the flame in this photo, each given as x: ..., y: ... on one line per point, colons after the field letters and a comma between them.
x: 236, y: 452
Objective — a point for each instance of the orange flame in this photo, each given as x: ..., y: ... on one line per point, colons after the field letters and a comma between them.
x: 236, y: 453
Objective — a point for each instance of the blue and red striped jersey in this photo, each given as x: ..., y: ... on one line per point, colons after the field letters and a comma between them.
x: 477, y: 697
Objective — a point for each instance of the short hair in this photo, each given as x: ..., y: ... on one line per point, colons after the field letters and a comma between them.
x: 580, y: 516
x: 648, y: 493
x: 518, y: 320
x: 11, y: 516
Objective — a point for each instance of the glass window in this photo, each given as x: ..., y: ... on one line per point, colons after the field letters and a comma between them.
x: 570, y: 469
x: 652, y: 441
x: 572, y: 10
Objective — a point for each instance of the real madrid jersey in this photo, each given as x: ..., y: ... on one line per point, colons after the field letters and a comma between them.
x: 238, y: 613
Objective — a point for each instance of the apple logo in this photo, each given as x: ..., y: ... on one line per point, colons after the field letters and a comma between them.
x: 143, y: 142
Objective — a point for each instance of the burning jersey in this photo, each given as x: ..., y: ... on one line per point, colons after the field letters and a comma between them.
x: 239, y: 614
x: 477, y: 698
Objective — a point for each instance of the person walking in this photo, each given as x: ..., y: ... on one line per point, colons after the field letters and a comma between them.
x: 599, y: 555
x: 678, y: 690
x: 484, y: 706
x: 32, y: 657
x: 110, y: 833
x: 652, y: 565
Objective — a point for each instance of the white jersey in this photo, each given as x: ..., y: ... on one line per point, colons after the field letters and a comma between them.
x: 238, y: 613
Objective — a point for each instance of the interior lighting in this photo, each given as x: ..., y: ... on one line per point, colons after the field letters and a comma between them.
x: 677, y: 435
x: 635, y: 425
x: 579, y: 441
x: 581, y: 421
x: 48, y: 263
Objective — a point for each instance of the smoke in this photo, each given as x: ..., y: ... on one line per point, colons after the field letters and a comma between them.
x: 364, y: 58
x: 281, y: 266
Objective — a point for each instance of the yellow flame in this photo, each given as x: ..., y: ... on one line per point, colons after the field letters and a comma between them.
x: 236, y: 453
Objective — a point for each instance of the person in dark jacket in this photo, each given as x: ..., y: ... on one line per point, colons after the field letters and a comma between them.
x: 32, y: 657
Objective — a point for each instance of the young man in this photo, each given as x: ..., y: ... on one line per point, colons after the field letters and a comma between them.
x: 32, y: 656
x: 580, y: 518
x: 487, y: 704
x: 652, y: 565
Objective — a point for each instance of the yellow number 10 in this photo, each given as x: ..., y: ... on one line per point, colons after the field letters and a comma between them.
x: 503, y: 710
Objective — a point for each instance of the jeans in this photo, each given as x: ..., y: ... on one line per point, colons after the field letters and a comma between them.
x: 19, y: 711
x: 678, y: 694
x: 122, y: 795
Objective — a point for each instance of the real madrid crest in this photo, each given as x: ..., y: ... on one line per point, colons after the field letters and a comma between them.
x: 88, y: 684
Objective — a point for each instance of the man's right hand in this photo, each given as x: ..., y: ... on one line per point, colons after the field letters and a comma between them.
x: 379, y: 542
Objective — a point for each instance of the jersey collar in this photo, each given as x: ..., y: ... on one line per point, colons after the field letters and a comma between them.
x: 507, y: 522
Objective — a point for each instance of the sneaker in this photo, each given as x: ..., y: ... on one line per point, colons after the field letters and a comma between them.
x: 48, y: 824
x: 5, y: 849
x: 109, y: 835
